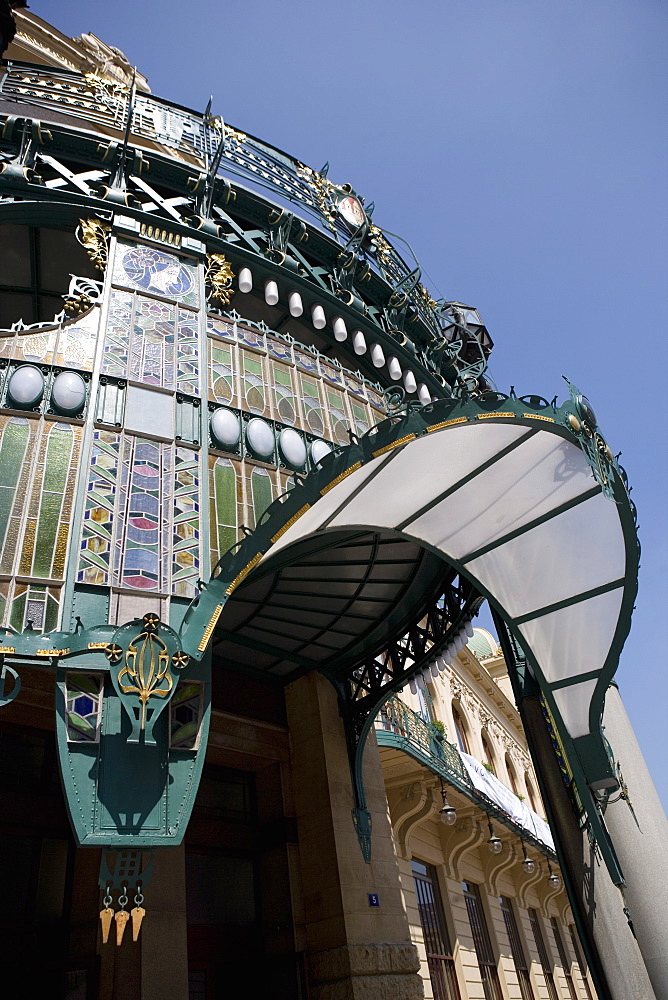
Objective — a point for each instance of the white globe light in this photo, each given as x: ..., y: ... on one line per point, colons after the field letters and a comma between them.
x: 260, y: 437
x: 292, y: 447
x: 318, y: 451
x: 225, y: 427
x: 68, y: 394
x: 26, y: 386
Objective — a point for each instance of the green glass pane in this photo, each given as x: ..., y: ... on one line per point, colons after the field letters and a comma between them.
x: 12, y: 454
x: 226, y: 506
x: 61, y: 441
x: 18, y: 611
x: 262, y: 492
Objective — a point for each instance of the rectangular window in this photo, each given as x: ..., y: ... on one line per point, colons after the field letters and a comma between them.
x: 482, y: 942
x: 542, y: 955
x: 516, y: 948
x: 563, y: 958
x: 436, y: 940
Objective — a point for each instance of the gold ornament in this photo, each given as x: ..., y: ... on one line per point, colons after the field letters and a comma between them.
x: 218, y: 276
x: 93, y: 235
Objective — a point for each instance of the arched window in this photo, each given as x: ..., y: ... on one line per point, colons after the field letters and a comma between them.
x: 460, y: 731
x: 489, y: 756
x: 511, y: 775
x: 530, y: 792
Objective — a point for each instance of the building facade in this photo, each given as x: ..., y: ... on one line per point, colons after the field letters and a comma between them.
x: 275, y: 758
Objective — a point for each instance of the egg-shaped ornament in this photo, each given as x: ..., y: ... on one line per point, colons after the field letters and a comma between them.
x: 318, y: 451
x: 26, y: 387
x: 225, y: 429
x: 260, y: 437
x: 293, y: 448
x: 68, y: 393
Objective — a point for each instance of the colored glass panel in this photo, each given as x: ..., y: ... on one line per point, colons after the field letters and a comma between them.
x: 286, y: 402
x: 338, y: 416
x: 152, y: 270
x: 83, y: 706
x: 185, y: 526
x: 313, y: 410
x: 222, y: 380
x: 13, y: 445
x: 251, y: 338
x: 138, y: 553
x: 360, y: 418
x: 309, y: 362
x: 262, y: 492
x: 97, y: 534
x: 50, y: 509
x: 153, y: 343
x: 279, y: 349
x: 332, y: 373
x: 254, y: 383
x: 220, y: 328
x: 34, y: 605
x: 223, y: 507
x: 185, y: 716
x: 117, y: 335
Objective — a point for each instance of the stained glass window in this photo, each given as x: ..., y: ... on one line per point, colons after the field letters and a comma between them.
x: 286, y: 402
x: 50, y: 507
x: 69, y: 344
x: 338, y: 416
x: 142, y: 501
x: 14, y: 448
x: 152, y: 270
x: 279, y: 349
x: 83, y: 697
x: 222, y: 372
x: 313, y: 409
x: 254, y: 383
x: 185, y: 715
x: 251, y: 338
x: 360, y: 417
x: 151, y: 342
x: 221, y: 328
x: 32, y: 603
x: 262, y: 492
x: 223, y: 506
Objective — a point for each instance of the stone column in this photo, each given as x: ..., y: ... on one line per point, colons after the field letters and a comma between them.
x: 354, y: 950
x: 641, y: 842
x: 164, y: 932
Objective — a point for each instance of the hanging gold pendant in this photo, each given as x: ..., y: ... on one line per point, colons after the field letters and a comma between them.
x: 137, y: 914
x: 106, y: 916
x: 122, y: 917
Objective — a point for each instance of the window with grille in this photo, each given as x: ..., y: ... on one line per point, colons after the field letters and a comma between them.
x: 460, y: 731
x: 563, y: 958
x: 542, y: 955
x: 482, y: 942
x: 581, y: 962
x: 436, y: 938
x: 516, y: 948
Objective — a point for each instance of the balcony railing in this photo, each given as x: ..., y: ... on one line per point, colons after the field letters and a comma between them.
x: 399, y: 727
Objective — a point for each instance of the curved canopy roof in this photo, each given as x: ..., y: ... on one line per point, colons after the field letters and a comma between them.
x: 524, y: 501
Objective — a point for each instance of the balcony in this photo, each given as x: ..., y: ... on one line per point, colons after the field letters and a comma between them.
x: 397, y: 726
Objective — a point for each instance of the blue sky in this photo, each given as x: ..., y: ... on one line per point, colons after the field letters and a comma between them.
x: 520, y: 147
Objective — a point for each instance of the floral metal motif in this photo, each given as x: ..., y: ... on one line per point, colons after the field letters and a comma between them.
x: 146, y: 667
x: 218, y: 276
x: 93, y: 235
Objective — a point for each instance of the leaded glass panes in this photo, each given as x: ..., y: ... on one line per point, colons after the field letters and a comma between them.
x: 284, y: 393
x: 261, y: 491
x: 338, y: 416
x: 50, y: 508
x: 143, y: 504
x: 14, y: 448
x: 185, y: 715
x: 32, y: 604
x: 360, y: 418
x: 83, y: 706
x: 313, y: 408
x: 222, y: 372
x: 70, y: 344
x: 151, y: 342
x: 222, y: 506
x: 251, y: 338
x: 152, y: 270
x: 254, y: 383
x: 219, y: 327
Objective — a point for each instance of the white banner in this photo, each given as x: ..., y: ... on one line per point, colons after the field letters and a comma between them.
x: 489, y: 785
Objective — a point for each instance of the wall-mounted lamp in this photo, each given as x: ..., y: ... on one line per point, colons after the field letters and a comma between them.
x: 447, y: 812
x: 528, y: 865
x: 494, y: 844
x: 554, y: 879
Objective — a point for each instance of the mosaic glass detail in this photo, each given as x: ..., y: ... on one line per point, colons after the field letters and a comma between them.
x: 151, y: 342
x: 83, y: 705
x: 70, y: 344
x: 313, y: 409
x: 251, y: 338
x: 32, y: 604
x: 142, y: 504
x: 218, y: 327
x: 284, y: 393
x: 151, y: 270
x: 360, y: 418
x: 222, y: 380
x: 338, y: 416
x: 185, y: 715
x: 309, y: 362
x: 14, y: 450
x: 254, y: 383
